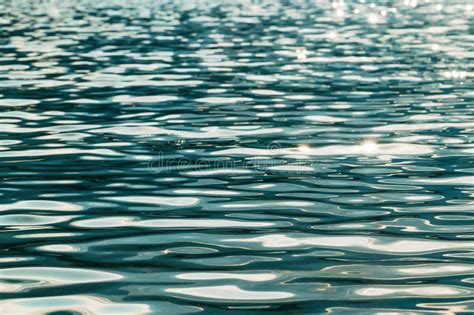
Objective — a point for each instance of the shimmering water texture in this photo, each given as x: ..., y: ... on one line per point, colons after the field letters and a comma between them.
x: 242, y: 157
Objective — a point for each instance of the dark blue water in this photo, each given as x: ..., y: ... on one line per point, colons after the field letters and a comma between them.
x: 248, y: 157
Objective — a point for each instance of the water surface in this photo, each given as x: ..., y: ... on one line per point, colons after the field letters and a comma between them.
x: 248, y: 157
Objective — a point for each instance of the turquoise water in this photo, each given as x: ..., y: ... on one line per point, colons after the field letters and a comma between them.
x: 248, y: 157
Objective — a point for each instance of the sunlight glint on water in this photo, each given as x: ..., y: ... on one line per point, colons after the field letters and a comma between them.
x: 175, y: 157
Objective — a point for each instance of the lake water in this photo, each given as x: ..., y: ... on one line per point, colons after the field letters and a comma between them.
x: 241, y: 157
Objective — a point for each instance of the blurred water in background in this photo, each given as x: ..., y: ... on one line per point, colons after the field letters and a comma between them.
x: 253, y: 157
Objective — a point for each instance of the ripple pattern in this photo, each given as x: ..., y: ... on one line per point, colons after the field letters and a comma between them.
x: 242, y: 157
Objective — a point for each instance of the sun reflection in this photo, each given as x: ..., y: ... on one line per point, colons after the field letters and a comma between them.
x: 369, y: 146
x: 372, y: 18
x: 454, y: 74
x: 304, y: 148
x: 301, y: 53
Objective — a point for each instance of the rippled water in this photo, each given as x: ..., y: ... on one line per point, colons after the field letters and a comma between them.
x: 175, y: 157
